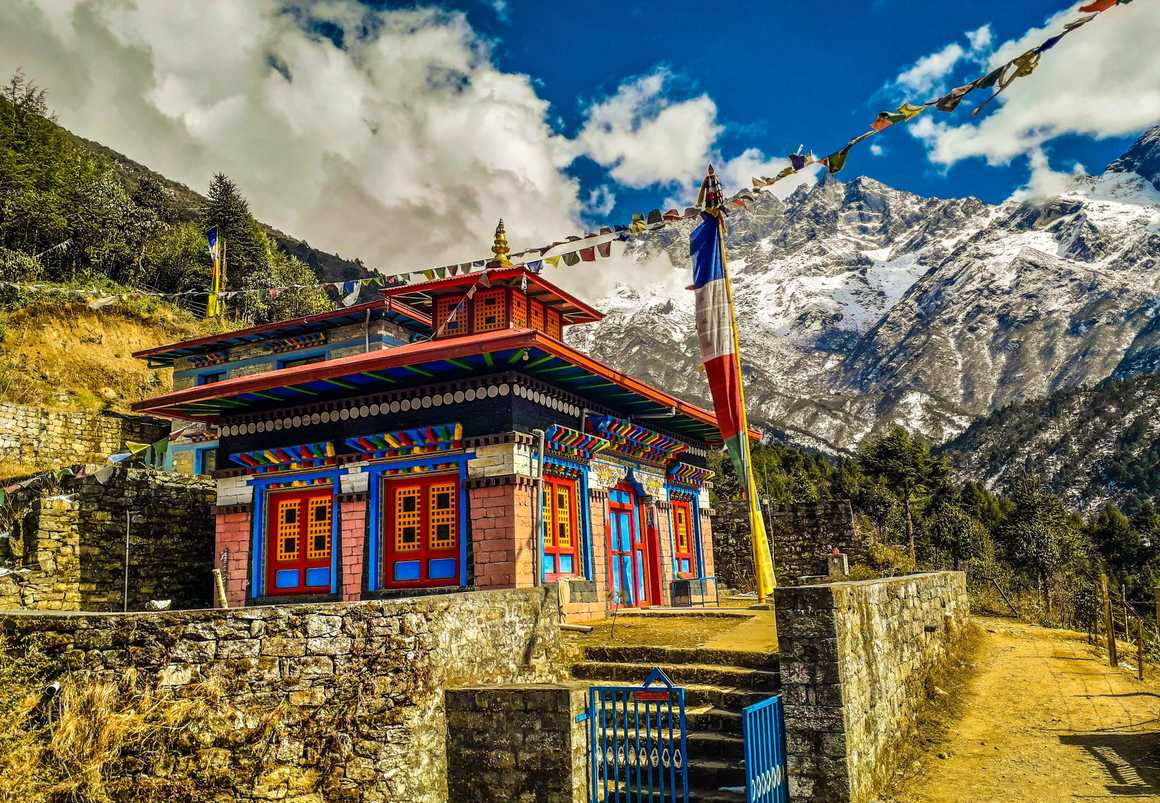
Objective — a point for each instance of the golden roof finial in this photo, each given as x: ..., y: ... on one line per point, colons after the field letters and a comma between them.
x: 500, y: 248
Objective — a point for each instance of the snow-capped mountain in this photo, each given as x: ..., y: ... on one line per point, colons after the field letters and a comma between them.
x: 862, y: 306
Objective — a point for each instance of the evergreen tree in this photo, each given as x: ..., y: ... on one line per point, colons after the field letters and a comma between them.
x: 246, y: 252
x: 906, y: 463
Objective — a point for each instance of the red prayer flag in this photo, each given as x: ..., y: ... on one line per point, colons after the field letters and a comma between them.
x: 1098, y: 6
x: 588, y: 254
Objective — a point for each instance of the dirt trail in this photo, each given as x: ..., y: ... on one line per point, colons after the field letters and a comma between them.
x: 1046, y: 719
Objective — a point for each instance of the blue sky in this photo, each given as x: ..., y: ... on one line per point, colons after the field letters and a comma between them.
x: 399, y: 133
x: 782, y: 74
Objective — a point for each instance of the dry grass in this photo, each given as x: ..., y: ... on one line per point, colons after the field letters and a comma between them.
x: 67, y: 355
x: 104, y: 740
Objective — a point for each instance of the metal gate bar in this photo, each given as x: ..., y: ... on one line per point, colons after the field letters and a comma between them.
x: 637, y: 741
x: 763, y: 730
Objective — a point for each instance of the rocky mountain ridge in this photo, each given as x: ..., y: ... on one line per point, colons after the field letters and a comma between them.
x: 861, y: 306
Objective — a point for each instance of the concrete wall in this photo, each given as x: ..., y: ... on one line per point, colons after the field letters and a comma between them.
x: 517, y: 743
x: 33, y: 436
x: 70, y: 555
x: 800, y: 535
x: 357, y: 687
x: 855, y: 658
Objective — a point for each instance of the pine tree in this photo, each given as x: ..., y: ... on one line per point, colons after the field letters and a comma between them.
x: 245, y: 246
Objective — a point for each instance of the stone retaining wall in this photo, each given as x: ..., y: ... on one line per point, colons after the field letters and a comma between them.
x: 855, y: 659
x: 357, y: 687
x: 517, y: 743
x: 800, y: 535
x: 34, y: 436
x: 70, y: 555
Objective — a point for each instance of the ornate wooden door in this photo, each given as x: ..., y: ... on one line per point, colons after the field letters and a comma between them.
x: 421, y: 538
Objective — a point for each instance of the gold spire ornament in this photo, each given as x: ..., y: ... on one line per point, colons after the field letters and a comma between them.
x: 500, y: 248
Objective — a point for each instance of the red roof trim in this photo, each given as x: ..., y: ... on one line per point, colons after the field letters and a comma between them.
x: 413, y: 353
x: 500, y: 274
x: 391, y: 304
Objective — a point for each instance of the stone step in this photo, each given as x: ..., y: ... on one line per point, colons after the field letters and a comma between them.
x: 707, y: 719
x: 712, y: 775
x: 730, y: 677
x: 714, y: 746
x: 669, y: 656
x: 698, y: 694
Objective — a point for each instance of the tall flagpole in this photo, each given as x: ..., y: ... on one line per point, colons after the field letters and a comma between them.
x: 721, y: 356
x: 758, y: 542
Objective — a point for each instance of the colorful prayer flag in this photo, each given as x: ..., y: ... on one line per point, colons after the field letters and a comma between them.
x: 717, y: 333
x: 1098, y: 5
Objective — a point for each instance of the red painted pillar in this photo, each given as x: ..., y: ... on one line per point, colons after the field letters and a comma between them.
x: 233, y: 539
x: 352, y: 512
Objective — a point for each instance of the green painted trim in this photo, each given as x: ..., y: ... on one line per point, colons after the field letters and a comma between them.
x: 300, y: 390
x: 419, y: 371
x: 488, y: 359
x: 458, y: 363
x: 343, y: 385
x: 541, y: 360
x: 380, y: 377
x: 519, y: 355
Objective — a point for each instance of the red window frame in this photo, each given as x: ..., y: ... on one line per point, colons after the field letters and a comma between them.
x: 311, y: 550
x: 489, y: 303
x: 444, y: 307
x: 535, y: 315
x: 519, y: 309
x: 684, y: 538
x: 554, y: 326
x: 431, y: 561
x: 556, y: 555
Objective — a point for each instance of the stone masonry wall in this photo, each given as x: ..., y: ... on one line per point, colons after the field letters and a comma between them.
x: 855, y: 658
x: 357, y: 687
x: 517, y: 743
x: 33, y: 436
x: 73, y: 553
x: 800, y: 535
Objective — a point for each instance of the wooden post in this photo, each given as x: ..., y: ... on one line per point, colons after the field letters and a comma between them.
x: 1140, y: 649
x: 1124, y: 599
x: 219, y: 590
x: 1156, y: 592
x: 1109, y: 623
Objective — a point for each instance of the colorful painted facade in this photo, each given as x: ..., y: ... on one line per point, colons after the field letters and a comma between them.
x: 484, y: 453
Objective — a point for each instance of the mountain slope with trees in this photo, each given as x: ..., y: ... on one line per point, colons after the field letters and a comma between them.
x: 78, y: 214
x: 1091, y: 446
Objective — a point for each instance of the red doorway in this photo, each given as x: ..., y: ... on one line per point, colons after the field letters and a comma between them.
x: 299, y: 539
x: 631, y: 565
x: 421, y: 539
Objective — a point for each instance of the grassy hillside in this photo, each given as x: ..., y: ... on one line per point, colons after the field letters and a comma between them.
x: 66, y: 355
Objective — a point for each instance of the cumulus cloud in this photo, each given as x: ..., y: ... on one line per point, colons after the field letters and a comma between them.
x: 601, y: 201
x: 1099, y: 82
x: 645, y: 137
x: 928, y: 75
x: 876, y: 149
x: 1044, y: 181
x: 403, y: 146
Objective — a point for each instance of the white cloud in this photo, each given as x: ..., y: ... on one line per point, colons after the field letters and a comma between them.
x: 645, y: 137
x: 1100, y: 81
x: 928, y: 75
x: 876, y: 149
x: 737, y: 173
x: 601, y: 201
x: 402, y: 147
x: 980, y: 38
x: 1045, y: 182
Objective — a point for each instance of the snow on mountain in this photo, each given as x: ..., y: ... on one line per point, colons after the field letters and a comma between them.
x: 861, y: 305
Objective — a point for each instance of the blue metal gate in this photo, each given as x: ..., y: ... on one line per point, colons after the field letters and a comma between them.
x: 636, y: 738
x: 763, y: 728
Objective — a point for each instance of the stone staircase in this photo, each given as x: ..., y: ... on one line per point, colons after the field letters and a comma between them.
x: 717, y: 683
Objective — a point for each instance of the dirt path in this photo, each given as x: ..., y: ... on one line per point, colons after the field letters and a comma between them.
x: 1045, y: 719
